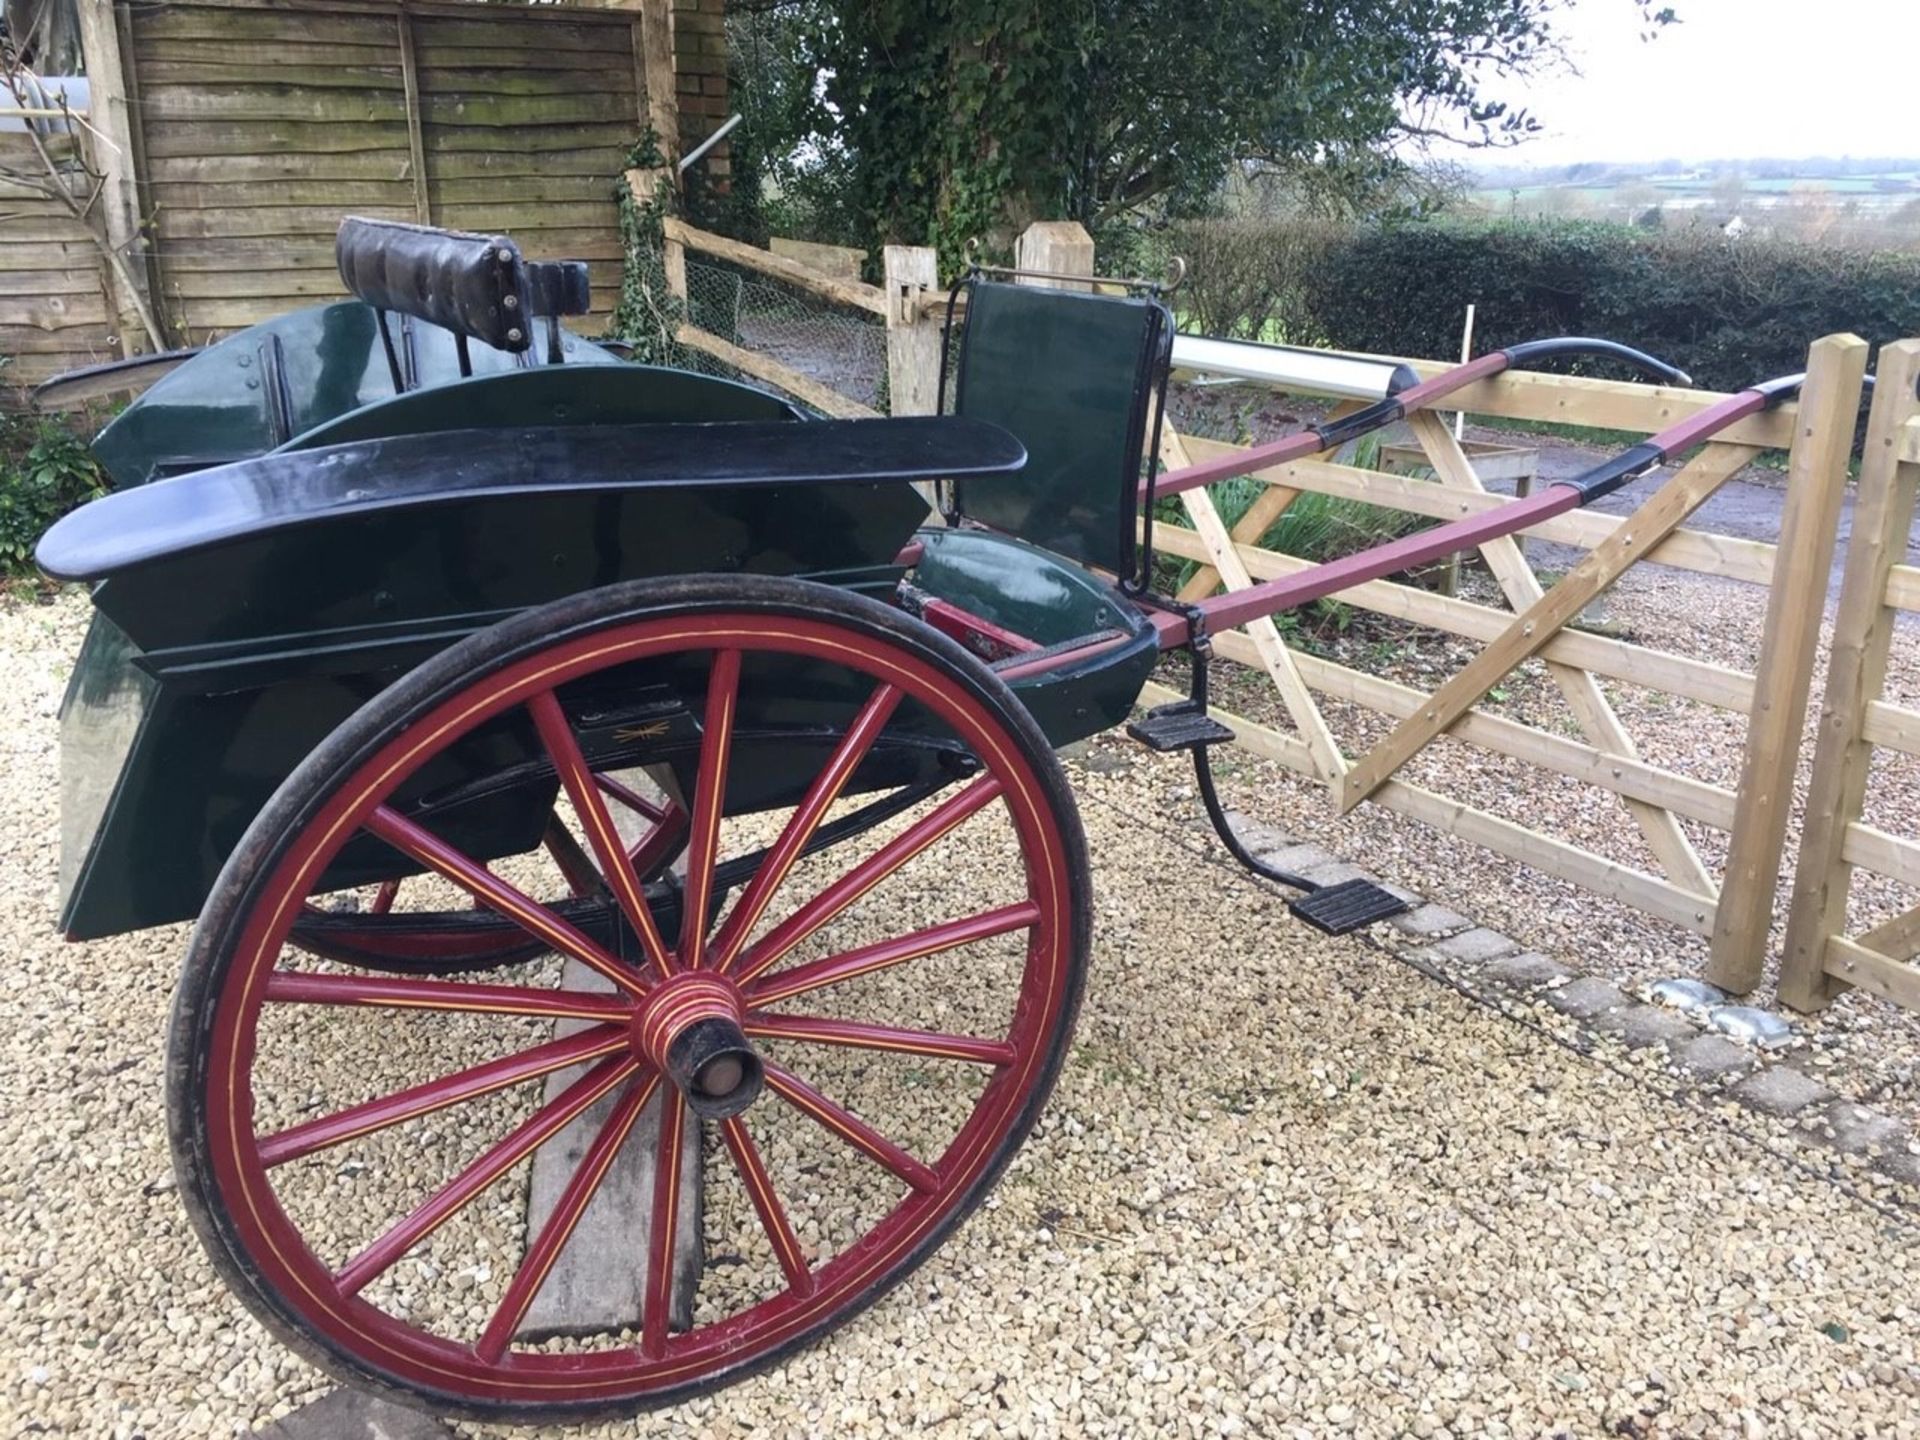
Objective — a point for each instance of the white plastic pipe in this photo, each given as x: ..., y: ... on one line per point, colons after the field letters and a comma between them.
x: 1317, y: 372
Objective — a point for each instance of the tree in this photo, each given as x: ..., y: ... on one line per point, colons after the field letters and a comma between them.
x: 936, y: 121
x: 44, y: 33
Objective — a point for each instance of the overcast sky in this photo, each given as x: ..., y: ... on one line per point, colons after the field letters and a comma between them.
x: 1735, y: 78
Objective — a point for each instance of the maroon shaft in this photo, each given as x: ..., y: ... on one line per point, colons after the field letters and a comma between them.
x: 1325, y: 437
x: 1224, y: 612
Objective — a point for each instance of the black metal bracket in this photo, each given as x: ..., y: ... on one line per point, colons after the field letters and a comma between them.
x: 1338, y: 908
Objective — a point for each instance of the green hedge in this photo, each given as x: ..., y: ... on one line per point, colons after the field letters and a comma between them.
x: 1730, y: 311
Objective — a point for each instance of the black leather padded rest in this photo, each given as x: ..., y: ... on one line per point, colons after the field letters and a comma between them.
x: 473, y: 285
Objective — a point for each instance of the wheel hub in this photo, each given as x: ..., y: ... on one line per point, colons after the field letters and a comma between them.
x: 689, y: 1028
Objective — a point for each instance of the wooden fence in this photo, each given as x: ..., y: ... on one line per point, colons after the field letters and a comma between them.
x: 56, y: 302
x: 1821, y: 956
x: 1731, y: 905
x: 240, y: 132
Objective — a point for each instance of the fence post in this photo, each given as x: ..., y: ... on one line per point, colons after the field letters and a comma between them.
x: 1856, y: 670
x: 1062, y: 246
x: 654, y: 35
x: 107, y: 113
x: 912, y: 272
x: 1816, y: 480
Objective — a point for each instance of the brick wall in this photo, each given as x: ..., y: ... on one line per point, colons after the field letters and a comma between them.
x: 700, y: 74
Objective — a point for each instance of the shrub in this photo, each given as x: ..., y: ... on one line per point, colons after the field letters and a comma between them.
x: 1730, y: 311
x: 1251, y: 279
x: 45, y: 470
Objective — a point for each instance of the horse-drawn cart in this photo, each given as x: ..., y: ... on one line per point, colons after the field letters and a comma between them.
x: 570, y: 760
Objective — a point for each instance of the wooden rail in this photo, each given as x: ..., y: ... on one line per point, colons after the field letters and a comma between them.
x: 912, y: 324
x: 828, y: 287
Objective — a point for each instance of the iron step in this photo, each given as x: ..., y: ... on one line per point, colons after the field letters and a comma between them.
x: 1348, y: 906
x: 1183, y: 725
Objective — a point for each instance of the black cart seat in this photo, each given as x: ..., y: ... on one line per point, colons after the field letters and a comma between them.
x: 1076, y: 377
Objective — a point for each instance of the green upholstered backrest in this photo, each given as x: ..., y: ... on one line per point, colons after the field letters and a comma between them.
x: 1073, y: 375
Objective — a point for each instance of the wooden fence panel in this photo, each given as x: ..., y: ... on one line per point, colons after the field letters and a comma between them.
x: 259, y: 126
x: 55, y: 310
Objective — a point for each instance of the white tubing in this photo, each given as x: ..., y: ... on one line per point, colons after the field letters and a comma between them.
x: 1318, y: 372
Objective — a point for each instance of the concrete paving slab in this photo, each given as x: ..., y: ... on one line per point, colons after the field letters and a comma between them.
x: 352, y: 1415
x: 1781, y: 1090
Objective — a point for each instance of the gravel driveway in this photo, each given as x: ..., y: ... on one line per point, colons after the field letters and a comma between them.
x: 1287, y: 1187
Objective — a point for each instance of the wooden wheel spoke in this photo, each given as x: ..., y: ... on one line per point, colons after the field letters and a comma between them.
x: 646, y: 809
x: 709, y: 803
x: 448, y: 1200
x: 851, y: 1128
x: 496, y: 894
x: 806, y: 818
x: 294, y: 987
x: 581, y: 876
x: 928, y: 1043
x: 656, y: 1306
x: 835, y: 969
x: 766, y: 1204
x: 615, y: 864
x: 945, y: 817
x: 418, y: 1100
x: 668, y: 820
x: 552, y: 1239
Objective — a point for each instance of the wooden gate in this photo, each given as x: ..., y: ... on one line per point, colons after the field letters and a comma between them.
x: 1823, y: 955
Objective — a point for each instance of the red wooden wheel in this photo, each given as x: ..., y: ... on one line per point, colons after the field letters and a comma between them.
x: 861, y: 1037
x: 380, y: 931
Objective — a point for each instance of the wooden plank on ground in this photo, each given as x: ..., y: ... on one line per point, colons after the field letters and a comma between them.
x: 600, y: 1278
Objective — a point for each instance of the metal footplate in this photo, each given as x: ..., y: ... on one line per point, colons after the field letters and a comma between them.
x: 1348, y: 906
x: 1183, y: 725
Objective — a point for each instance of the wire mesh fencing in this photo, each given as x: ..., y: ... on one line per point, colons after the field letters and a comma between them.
x: 839, y: 347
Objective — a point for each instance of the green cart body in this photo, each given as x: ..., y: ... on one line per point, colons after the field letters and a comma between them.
x: 297, y: 526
